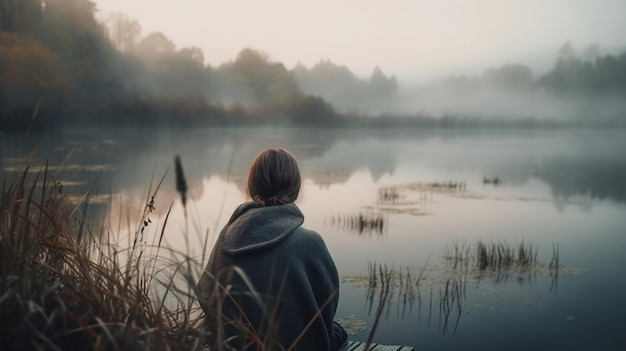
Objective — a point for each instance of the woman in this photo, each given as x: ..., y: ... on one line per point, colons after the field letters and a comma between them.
x: 270, y: 283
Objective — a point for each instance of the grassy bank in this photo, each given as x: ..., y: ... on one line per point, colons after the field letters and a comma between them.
x: 66, y: 285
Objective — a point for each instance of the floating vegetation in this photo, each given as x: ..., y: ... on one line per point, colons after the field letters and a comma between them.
x: 362, y: 223
x: 352, y: 324
x: 388, y: 195
x: 413, y: 198
x: 426, y: 190
x: 446, y: 186
x: 391, y: 195
x: 408, y: 210
x: 493, y: 181
x: 451, y: 185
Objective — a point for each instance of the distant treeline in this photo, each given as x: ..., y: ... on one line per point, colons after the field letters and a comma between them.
x: 574, y: 74
x: 60, y: 66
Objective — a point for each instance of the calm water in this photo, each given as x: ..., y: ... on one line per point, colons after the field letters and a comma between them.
x: 553, y: 187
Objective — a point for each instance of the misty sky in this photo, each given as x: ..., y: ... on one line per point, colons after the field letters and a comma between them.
x: 413, y: 39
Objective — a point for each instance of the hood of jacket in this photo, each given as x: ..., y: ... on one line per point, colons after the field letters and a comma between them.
x: 255, y: 227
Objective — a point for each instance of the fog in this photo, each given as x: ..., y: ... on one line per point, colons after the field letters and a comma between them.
x: 490, y: 101
x: 484, y: 59
x: 70, y: 62
x: 583, y: 86
x: 417, y: 41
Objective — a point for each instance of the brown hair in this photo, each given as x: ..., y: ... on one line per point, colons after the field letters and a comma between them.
x: 274, y: 178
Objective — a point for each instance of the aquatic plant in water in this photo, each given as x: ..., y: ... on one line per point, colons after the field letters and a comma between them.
x: 362, y: 223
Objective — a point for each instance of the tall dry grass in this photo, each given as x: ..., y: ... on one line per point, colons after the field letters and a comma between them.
x: 65, y: 285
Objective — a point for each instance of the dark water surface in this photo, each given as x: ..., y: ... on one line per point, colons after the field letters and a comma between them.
x: 417, y: 195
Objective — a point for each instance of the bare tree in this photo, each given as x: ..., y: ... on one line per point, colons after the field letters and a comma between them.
x: 123, y: 31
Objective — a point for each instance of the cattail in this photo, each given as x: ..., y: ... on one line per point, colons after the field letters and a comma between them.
x: 181, y: 183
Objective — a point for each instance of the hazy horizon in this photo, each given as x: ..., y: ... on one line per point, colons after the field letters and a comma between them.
x: 415, y: 41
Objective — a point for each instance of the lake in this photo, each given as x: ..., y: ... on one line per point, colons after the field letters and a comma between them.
x: 410, y: 206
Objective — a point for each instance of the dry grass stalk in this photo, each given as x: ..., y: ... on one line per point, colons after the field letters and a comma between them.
x: 65, y: 286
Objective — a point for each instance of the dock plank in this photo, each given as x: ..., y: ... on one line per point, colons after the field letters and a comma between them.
x: 360, y: 346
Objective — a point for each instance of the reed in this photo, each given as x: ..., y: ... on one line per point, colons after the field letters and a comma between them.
x: 452, y: 296
x: 65, y: 285
x: 494, y: 181
x: 399, y: 286
x: 554, y: 267
x: 362, y: 223
x: 388, y: 195
x: 402, y: 287
x: 491, y: 255
x: 450, y: 185
x: 501, y: 256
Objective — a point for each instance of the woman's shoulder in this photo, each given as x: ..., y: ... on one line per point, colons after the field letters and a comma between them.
x: 307, y: 239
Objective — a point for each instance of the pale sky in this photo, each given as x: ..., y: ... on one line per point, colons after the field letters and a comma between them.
x: 412, y: 39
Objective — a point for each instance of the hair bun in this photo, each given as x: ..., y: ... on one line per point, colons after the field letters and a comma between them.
x: 275, y: 201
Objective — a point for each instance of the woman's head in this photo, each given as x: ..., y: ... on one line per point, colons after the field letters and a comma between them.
x: 274, y: 178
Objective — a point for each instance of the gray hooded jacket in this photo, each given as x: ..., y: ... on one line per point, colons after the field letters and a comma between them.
x: 290, y: 268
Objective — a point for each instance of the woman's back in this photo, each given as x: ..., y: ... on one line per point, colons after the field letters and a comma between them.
x: 290, y: 269
x: 275, y: 282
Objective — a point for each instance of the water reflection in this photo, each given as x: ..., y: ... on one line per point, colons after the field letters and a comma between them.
x: 572, y: 163
x: 450, y: 304
x: 441, y: 291
x: 394, y: 293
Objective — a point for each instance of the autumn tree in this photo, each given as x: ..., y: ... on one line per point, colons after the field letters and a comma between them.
x: 31, y: 81
x: 19, y: 15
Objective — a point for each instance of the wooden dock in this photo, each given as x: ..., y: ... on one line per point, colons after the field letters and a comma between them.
x: 360, y: 346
